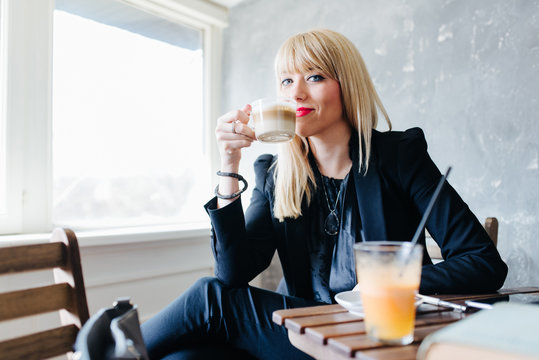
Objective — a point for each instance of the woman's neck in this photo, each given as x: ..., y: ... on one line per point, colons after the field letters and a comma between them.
x: 332, y: 154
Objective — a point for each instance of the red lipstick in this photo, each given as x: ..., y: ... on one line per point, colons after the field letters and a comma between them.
x: 302, y: 111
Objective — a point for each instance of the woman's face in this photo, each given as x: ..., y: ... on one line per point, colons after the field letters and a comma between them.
x: 318, y: 97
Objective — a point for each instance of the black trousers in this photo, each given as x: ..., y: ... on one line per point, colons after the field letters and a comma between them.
x: 213, y: 321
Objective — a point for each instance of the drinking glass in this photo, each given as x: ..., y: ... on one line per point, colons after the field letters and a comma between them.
x: 388, y: 275
x: 274, y: 119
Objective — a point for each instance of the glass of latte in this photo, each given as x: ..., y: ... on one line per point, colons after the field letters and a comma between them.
x: 274, y: 119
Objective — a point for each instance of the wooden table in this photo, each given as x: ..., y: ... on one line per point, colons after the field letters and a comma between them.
x: 331, y: 332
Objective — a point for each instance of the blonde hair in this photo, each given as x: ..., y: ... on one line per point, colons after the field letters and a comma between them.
x: 335, y: 57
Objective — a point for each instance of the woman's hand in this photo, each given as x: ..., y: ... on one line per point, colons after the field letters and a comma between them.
x: 232, y: 135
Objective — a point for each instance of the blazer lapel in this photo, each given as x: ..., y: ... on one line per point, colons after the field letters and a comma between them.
x: 369, y: 200
x: 297, y: 256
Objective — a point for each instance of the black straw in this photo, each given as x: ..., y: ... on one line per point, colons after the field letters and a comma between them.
x: 429, y: 207
x: 426, y: 215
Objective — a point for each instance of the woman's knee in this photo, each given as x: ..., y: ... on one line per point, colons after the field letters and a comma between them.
x: 207, y: 286
x: 206, y: 292
x: 189, y: 315
x: 208, y: 282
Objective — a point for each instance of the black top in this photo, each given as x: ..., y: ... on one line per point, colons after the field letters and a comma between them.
x: 325, y: 248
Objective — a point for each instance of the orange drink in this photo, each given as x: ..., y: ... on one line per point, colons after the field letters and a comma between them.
x: 391, y: 311
x: 389, y: 275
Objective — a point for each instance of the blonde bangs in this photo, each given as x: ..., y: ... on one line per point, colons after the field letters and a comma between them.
x: 302, y: 54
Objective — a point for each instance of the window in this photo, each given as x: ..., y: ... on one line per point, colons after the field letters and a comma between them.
x: 127, y: 119
x: 7, y: 221
x: 122, y: 97
x: 3, y: 201
x: 3, y: 179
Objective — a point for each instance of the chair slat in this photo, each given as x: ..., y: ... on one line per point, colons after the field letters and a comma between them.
x: 35, y: 301
x: 72, y: 274
x: 66, y: 295
x: 491, y: 226
x: 32, y: 257
x: 41, y: 345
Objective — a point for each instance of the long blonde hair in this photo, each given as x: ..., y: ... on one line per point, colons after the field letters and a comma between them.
x: 335, y: 57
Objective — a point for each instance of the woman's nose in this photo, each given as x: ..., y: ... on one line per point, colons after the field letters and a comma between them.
x: 298, y: 91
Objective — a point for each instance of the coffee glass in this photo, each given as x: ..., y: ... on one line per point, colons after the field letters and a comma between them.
x: 388, y: 275
x: 274, y: 119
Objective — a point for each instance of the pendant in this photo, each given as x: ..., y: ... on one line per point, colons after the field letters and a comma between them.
x: 331, y: 225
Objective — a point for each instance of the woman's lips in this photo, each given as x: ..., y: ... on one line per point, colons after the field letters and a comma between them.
x: 302, y: 111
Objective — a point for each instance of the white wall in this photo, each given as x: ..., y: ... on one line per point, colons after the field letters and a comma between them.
x: 152, y: 273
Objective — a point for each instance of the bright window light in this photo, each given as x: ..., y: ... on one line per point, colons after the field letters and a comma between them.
x: 127, y: 125
x: 3, y: 172
x: 3, y: 149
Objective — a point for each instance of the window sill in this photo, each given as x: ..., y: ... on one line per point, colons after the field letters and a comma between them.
x: 118, y: 236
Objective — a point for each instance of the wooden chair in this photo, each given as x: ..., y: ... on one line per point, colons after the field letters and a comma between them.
x: 67, y: 295
x: 490, y: 225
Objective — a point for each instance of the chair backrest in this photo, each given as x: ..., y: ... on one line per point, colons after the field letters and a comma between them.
x: 67, y: 295
x: 490, y: 225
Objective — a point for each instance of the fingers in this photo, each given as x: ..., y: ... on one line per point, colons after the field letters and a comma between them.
x: 234, y: 124
x: 234, y: 130
x: 239, y: 128
x: 247, y: 110
x: 236, y: 115
x: 233, y: 133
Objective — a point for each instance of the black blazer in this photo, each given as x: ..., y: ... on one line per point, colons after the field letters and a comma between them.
x: 391, y: 197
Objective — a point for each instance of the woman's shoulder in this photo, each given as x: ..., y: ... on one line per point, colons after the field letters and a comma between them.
x: 412, y: 139
x: 394, y: 150
x: 411, y: 134
x: 264, y: 162
x: 264, y: 169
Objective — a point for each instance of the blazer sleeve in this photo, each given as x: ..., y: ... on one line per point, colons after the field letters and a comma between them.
x: 471, y: 261
x: 243, y: 245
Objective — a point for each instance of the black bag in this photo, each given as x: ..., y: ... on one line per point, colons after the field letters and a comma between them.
x: 112, y: 333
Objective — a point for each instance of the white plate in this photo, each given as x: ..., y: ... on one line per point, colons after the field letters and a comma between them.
x: 351, y: 301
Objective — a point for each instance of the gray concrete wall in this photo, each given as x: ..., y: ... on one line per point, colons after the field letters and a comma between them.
x: 467, y: 72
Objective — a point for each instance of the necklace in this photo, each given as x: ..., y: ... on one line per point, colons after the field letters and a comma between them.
x: 331, y: 225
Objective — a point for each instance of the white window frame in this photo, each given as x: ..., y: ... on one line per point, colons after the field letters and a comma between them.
x: 3, y: 70
x: 27, y: 99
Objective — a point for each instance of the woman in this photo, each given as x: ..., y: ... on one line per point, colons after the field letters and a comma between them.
x: 337, y: 182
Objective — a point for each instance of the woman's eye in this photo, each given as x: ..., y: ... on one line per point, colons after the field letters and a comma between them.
x: 315, y: 78
x: 286, y: 82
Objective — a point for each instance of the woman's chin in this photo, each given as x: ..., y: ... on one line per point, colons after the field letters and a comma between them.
x: 303, y: 131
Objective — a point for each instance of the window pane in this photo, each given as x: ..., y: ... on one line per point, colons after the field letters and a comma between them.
x: 3, y: 172
x: 127, y: 119
x: 3, y: 150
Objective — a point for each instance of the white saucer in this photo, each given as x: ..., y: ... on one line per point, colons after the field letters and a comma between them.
x: 351, y: 301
